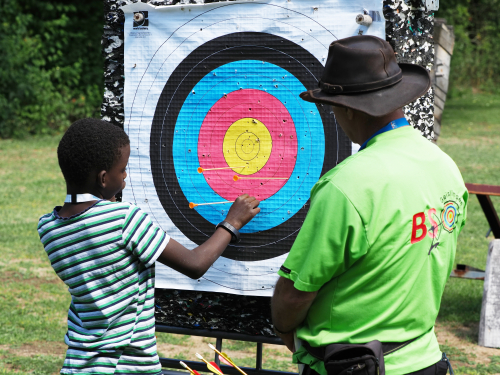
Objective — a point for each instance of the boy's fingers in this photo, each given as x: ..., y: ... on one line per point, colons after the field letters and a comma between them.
x: 249, y: 199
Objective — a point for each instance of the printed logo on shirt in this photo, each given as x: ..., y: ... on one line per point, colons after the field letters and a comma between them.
x: 432, y: 223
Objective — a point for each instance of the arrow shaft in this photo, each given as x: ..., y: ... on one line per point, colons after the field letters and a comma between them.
x: 216, y: 169
x: 262, y: 178
x: 206, y: 204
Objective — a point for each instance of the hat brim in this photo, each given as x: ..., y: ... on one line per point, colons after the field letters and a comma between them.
x: 415, y: 83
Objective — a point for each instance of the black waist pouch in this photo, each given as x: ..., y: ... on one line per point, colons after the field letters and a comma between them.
x: 354, y: 359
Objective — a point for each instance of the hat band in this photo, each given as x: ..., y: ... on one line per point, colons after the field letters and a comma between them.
x: 361, y: 87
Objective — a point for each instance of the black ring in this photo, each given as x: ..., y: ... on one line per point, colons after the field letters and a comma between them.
x: 209, y: 56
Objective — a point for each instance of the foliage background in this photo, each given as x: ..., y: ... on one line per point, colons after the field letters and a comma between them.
x: 51, y: 65
x: 474, y: 64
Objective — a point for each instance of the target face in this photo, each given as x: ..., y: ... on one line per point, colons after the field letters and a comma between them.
x: 215, y: 88
x: 233, y: 111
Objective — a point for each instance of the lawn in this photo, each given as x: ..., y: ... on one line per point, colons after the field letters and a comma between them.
x: 33, y: 302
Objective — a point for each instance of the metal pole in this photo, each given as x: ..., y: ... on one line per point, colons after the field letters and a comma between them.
x: 218, y: 346
x: 258, y: 362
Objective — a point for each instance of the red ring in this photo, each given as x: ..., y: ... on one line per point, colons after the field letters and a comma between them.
x: 273, y: 114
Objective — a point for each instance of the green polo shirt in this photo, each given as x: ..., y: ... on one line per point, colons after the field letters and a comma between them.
x: 378, y: 244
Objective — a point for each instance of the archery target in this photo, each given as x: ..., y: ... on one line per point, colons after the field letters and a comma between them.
x: 217, y: 86
x: 221, y: 94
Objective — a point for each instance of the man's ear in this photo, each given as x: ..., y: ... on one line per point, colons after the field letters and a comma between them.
x: 102, y: 179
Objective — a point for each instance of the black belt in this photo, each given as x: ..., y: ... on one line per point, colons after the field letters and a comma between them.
x: 387, y: 348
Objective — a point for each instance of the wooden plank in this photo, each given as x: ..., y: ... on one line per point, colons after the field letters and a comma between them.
x: 440, y: 93
x: 437, y: 128
x: 442, y: 83
x: 438, y: 102
x: 438, y: 113
x: 489, y: 324
x: 483, y: 189
x: 445, y: 37
x: 442, y: 56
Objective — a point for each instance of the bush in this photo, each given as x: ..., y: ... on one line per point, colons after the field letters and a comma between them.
x: 51, y: 65
x: 477, y: 30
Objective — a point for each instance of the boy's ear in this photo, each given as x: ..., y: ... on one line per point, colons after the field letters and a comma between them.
x: 101, y: 179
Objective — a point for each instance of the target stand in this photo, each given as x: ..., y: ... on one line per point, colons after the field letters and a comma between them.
x: 219, y: 336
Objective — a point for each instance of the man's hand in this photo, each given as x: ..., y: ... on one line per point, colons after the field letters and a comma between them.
x: 289, y: 307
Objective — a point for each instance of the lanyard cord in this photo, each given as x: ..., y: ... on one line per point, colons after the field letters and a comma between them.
x: 80, y: 198
x: 399, y: 123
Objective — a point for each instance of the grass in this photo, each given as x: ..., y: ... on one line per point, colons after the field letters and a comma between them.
x: 471, y: 136
x: 33, y: 302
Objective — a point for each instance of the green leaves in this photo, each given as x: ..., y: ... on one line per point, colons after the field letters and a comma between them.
x: 476, y: 54
x: 51, y: 65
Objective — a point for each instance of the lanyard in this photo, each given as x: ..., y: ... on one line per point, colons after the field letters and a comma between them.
x: 399, y: 123
x: 80, y: 198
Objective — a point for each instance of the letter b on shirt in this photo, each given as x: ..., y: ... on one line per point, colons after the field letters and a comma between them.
x: 418, y: 230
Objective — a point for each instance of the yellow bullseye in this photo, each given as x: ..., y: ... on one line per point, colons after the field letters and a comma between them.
x: 247, y: 140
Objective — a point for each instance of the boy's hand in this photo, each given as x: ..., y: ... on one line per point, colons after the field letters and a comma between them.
x: 242, y: 211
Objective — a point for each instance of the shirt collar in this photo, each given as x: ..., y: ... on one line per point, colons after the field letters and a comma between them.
x: 398, y: 123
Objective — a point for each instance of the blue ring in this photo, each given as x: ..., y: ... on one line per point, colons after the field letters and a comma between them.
x: 278, y: 82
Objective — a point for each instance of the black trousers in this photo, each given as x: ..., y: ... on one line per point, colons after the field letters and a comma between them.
x: 438, y: 368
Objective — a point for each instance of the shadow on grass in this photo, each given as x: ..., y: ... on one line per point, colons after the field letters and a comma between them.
x: 461, y: 307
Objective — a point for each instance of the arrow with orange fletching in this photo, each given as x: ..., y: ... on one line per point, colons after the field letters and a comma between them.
x: 201, y: 170
x: 236, y: 178
x: 193, y: 205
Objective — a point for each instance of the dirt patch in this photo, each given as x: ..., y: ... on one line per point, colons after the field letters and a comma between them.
x: 42, y: 277
x: 52, y: 348
x: 187, y: 350
x: 463, y: 339
x: 477, y: 141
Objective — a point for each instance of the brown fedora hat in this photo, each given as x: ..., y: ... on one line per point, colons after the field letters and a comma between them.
x: 361, y: 73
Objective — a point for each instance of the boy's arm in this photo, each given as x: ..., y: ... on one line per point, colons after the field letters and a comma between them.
x: 194, y: 263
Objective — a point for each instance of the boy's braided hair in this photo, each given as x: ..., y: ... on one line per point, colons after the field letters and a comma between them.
x: 89, y: 145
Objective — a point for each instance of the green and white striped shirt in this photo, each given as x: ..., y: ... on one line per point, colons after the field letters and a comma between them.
x: 105, y: 257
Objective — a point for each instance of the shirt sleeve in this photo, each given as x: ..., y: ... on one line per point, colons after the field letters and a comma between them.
x: 330, y: 241
x: 143, y: 237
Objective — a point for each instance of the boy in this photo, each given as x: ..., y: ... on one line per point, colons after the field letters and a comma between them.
x: 104, y: 252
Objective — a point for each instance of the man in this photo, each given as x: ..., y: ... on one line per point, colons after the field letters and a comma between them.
x: 378, y: 243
